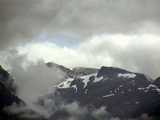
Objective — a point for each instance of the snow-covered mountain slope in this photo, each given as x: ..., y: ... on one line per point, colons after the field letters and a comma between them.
x: 123, y: 93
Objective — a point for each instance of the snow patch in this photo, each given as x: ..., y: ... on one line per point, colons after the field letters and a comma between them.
x: 66, y: 84
x: 86, y: 79
x: 98, y: 79
x: 127, y: 75
x: 75, y: 87
x: 146, y: 89
x: 109, y: 95
x: 153, y: 86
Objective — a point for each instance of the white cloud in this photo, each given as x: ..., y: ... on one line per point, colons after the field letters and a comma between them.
x: 136, y: 52
x: 33, y: 78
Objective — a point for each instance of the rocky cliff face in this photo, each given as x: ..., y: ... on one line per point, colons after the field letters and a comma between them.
x: 7, y: 89
x: 7, y: 94
x: 123, y: 93
x: 157, y: 82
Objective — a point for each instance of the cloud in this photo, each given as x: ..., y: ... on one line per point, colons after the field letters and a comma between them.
x: 33, y: 79
x: 70, y: 111
x: 74, y: 111
x: 137, y: 52
x: 23, y: 20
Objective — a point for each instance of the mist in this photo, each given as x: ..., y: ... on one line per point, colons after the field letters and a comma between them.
x: 137, y: 52
x: 32, y: 79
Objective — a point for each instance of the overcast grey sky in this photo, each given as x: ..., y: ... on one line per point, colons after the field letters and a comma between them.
x: 22, y: 19
x: 123, y: 33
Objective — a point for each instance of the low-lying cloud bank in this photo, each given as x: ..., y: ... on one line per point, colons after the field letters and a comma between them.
x: 137, y: 52
x: 33, y: 79
x: 71, y: 111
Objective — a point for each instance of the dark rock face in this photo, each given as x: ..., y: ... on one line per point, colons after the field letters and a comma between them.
x: 7, y: 89
x: 157, y: 82
x: 6, y: 97
x: 123, y: 93
x: 7, y: 80
x: 7, y: 94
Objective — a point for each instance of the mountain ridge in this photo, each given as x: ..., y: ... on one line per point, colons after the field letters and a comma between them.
x: 122, y: 93
x: 114, y: 88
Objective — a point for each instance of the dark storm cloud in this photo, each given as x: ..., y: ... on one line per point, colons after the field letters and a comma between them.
x: 21, y: 20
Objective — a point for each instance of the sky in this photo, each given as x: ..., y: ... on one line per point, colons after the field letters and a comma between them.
x: 90, y: 33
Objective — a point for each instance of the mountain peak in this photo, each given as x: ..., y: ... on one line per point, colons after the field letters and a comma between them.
x: 110, y: 71
x: 115, y: 88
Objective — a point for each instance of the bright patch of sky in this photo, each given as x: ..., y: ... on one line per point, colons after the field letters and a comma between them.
x: 60, y: 40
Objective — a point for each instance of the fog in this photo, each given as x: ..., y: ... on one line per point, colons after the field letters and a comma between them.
x: 137, y: 52
x: 32, y: 79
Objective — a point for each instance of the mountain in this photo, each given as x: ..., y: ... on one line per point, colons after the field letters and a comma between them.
x: 113, y: 91
x: 7, y: 93
x: 71, y: 73
x: 123, y: 93
x: 11, y: 106
x: 157, y: 82
x: 67, y: 71
x: 80, y: 71
x: 7, y: 89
